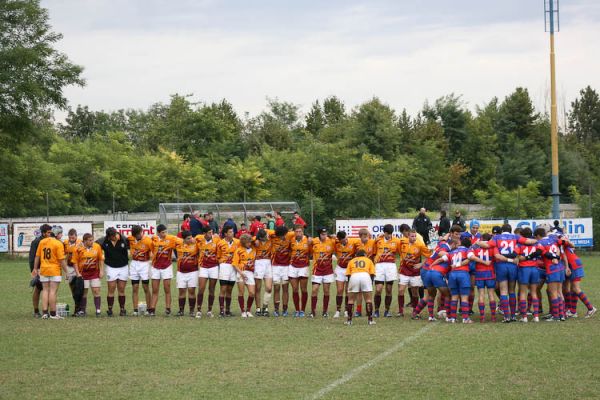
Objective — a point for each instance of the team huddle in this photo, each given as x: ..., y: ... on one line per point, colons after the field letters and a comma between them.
x: 462, y: 263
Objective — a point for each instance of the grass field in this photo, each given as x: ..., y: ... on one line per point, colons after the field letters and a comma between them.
x: 280, y: 358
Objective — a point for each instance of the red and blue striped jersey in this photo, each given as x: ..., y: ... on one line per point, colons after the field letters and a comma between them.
x: 456, y: 258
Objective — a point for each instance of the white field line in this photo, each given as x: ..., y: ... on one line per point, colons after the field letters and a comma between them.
x: 349, y: 375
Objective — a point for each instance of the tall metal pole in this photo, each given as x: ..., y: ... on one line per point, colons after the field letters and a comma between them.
x: 552, y: 14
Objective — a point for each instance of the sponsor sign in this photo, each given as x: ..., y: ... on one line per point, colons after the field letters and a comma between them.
x: 124, y: 227
x: 25, y: 233
x: 3, y: 238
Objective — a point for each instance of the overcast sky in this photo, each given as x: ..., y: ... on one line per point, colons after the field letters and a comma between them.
x: 137, y: 53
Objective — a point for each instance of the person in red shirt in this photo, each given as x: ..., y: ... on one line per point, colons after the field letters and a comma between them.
x: 298, y: 220
x: 185, y: 225
x: 256, y: 225
x: 279, y: 219
x: 242, y: 231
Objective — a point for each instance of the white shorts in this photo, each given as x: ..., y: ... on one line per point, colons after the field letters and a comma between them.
x: 139, y: 270
x: 323, y: 278
x: 249, y: 275
x: 280, y: 274
x: 166, y: 273
x: 386, y: 272
x: 44, y: 278
x: 187, y: 280
x: 412, y: 281
x: 70, y: 273
x: 210, y: 273
x: 360, y: 282
x: 294, y: 272
x: 114, y: 274
x: 340, y: 274
x: 227, y: 272
x: 263, y: 269
x: 88, y: 283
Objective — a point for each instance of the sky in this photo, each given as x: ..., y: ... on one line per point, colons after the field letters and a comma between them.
x: 139, y: 52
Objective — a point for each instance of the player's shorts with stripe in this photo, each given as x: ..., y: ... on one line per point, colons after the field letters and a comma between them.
x: 139, y: 270
x: 386, y: 272
x: 360, y: 282
x: 114, y: 274
x: 558, y: 276
x: 156, y: 273
x: 208, y: 273
x: 249, y: 278
x: 295, y: 272
x: 46, y: 278
x: 187, y: 280
x: 88, y: 283
x: 485, y: 284
x: 280, y: 273
x: 576, y: 274
x: 323, y: 278
x: 227, y: 272
x: 412, y: 281
x: 459, y: 283
x: 263, y: 269
x: 436, y: 279
x: 340, y: 274
x: 529, y: 276
x: 506, y: 271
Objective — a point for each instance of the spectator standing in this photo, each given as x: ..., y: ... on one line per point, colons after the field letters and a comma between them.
x: 195, y: 224
x: 459, y: 220
x: 242, y: 231
x: 422, y: 224
x: 230, y: 222
x: 214, y: 225
x: 256, y: 225
x: 279, y: 219
x: 298, y: 220
x: 270, y: 224
x: 444, y: 226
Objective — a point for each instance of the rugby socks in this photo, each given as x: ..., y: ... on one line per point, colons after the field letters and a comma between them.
x: 249, y: 303
x: 471, y: 301
x: 350, y: 311
x: 529, y: 302
x: 512, y: 301
x: 98, y: 302
x: 377, y: 302
x: 52, y: 313
x: 296, y: 298
x: 535, y: 303
x: 200, y: 299
x: 37, y: 310
x: 181, y: 304
x: 122, y: 302
x: 447, y: 305
x: 192, y: 301
x: 111, y: 301
x: 561, y: 307
x: 211, y: 301
x: 481, y: 310
x: 464, y: 310
x: 554, y: 307
x: 523, y: 308
x: 313, y: 304
x: 276, y: 306
x: 420, y: 306
x: 370, y: 311
x: 228, y: 304
x: 493, y: 309
x: 266, y: 299
x: 585, y: 300
x: 241, y: 302
x: 359, y: 306
x: 453, y: 308
x: 325, y: 303
x: 338, y: 302
x: 400, y: 303
x: 412, y: 299
x: 221, y: 303
x: 83, y: 304
x: 388, y: 302
x: 573, y: 301
x: 430, y: 304
x: 504, y: 306
x: 304, y: 301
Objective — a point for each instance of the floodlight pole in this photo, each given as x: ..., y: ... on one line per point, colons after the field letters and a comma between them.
x: 551, y: 12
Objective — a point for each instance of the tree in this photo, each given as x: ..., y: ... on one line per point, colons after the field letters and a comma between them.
x: 376, y: 128
x: 584, y: 118
x: 450, y: 113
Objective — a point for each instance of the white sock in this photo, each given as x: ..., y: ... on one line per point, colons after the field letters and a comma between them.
x: 266, y: 299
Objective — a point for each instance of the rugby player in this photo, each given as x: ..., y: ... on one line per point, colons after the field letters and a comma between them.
x: 227, y: 273
x: 187, y: 271
x: 367, y: 244
x: 431, y: 291
x: 344, y: 252
x: 243, y: 261
x: 48, y: 263
x: 574, y: 282
x: 140, y: 247
x: 298, y: 270
x: 360, y: 273
x: 263, y: 271
x: 89, y: 261
x: 163, y: 245
x: 281, y: 242
x: 208, y: 261
x: 474, y: 235
x: 116, y: 261
x: 485, y: 278
x: 411, y: 252
x: 555, y: 272
x: 71, y: 243
x: 45, y: 231
x: 528, y: 275
x: 322, y: 251
x: 386, y: 273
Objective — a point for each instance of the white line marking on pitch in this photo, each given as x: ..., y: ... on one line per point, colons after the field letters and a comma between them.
x: 371, y: 362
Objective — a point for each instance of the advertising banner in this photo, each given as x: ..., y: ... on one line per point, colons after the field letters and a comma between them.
x: 25, y: 233
x: 3, y: 238
x: 124, y: 227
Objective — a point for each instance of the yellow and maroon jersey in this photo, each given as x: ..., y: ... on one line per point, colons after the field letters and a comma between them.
x: 51, y: 252
x: 281, y: 251
x: 322, y: 255
x: 300, y: 250
x: 187, y: 256
x: 244, y: 258
x: 88, y: 260
x: 410, y: 255
x: 162, y: 251
x: 345, y: 252
x: 226, y: 250
x: 70, y: 250
x: 368, y: 247
x: 263, y: 249
x: 386, y: 249
x: 140, y: 249
x: 208, y: 251
x: 360, y: 264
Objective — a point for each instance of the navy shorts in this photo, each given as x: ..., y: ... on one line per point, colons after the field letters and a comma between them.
x: 472, y: 265
x: 459, y: 283
x: 576, y: 274
x: 506, y: 271
x: 425, y: 278
x: 558, y: 276
x: 529, y: 276
x: 542, y: 272
x: 436, y: 279
x: 486, y: 284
